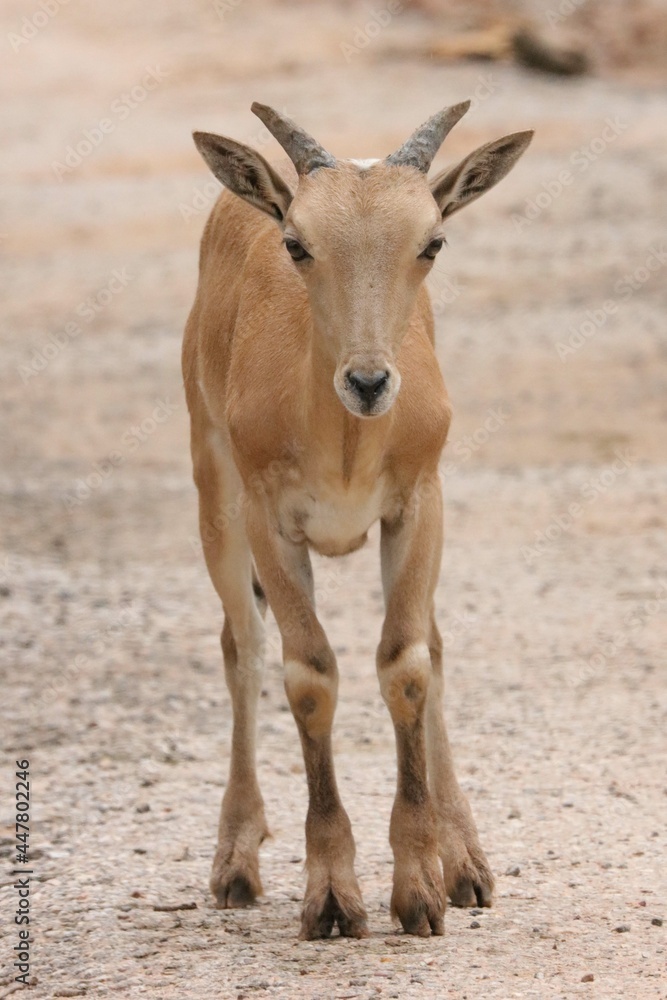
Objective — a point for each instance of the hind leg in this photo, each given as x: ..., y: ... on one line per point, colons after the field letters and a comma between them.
x: 235, y: 879
x: 468, y: 878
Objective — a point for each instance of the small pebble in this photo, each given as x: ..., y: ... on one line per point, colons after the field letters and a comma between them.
x: 588, y: 978
x: 513, y: 870
x: 622, y: 929
x: 657, y: 921
x: 475, y: 924
x: 144, y: 953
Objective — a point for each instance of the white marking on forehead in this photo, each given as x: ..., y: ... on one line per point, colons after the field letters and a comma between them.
x: 364, y: 164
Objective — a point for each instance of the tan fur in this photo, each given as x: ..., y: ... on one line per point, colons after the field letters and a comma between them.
x: 284, y: 461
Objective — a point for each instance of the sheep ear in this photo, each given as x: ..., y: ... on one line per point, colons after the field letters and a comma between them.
x: 246, y: 173
x: 478, y: 172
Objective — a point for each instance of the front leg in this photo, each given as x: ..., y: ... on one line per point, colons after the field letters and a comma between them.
x: 311, y: 683
x: 410, y: 549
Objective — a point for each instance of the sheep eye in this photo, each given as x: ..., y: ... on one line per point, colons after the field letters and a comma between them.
x: 295, y: 250
x: 431, y: 251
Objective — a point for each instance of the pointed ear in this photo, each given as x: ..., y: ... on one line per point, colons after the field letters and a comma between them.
x: 246, y: 173
x: 456, y: 186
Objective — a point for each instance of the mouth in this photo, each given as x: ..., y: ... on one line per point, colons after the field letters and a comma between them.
x: 365, y: 412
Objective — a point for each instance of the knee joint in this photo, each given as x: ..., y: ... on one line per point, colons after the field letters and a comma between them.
x: 404, y: 681
x: 312, y: 697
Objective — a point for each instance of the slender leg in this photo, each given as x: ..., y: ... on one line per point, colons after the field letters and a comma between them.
x: 311, y: 682
x: 410, y: 551
x: 468, y: 877
x: 235, y: 879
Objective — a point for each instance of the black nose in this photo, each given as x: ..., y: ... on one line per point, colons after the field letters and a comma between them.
x: 368, y: 387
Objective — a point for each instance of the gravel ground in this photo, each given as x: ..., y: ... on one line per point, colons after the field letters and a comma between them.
x: 553, y: 594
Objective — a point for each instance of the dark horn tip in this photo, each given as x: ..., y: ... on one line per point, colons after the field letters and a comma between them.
x: 524, y: 138
x: 263, y: 111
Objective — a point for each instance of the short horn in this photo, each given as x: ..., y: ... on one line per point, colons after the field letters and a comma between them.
x: 303, y: 151
x: 420, y: 149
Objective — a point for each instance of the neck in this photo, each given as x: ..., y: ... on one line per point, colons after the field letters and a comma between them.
x: 334, y: 429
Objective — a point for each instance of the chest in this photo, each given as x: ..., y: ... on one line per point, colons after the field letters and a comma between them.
x: 331, y: 516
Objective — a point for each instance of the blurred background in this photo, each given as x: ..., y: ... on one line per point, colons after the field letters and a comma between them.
x: 550, y: 310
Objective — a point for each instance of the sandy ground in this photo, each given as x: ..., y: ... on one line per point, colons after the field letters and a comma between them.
x: 553, y: 596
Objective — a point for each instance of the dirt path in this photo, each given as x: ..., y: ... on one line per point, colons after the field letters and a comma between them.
x: 553, y: 595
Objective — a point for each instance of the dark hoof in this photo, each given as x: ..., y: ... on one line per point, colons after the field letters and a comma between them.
x: 467, y: 874
x: 321, y: 912
x: 234, y: 888
x: 421, y: 911
x: 469, y: 891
